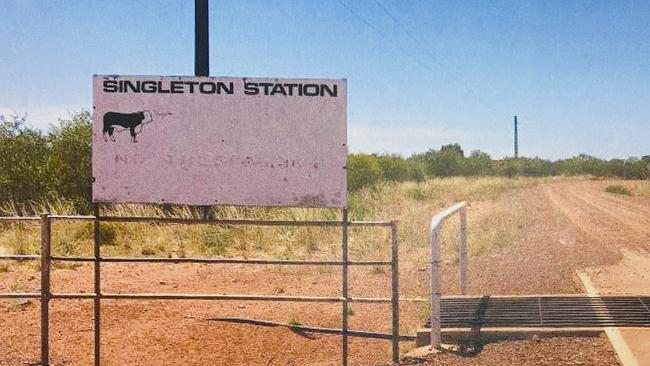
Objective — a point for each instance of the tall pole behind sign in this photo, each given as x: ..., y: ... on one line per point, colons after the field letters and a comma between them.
x: 201, y: 39
x: 201, y: 51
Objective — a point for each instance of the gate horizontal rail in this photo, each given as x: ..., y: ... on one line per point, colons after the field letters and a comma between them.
x: 19, y: 257
x: 220, y: 260
x: 19, y: 218
x: 45, y: 295
x: 178, y: 220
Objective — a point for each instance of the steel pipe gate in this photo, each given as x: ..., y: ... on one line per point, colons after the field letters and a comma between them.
x: 46, y: 257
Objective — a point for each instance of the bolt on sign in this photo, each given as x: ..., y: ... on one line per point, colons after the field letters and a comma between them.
x: 219, y: 140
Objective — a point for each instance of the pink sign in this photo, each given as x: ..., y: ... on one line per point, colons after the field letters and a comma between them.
x: 219, y: 141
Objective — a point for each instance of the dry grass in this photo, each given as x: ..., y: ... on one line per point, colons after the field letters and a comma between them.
x: 411, y: 203
x: 642, y: 189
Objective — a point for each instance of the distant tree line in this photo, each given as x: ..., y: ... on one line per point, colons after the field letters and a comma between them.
x: 39, y: 166
x: 366, y: 170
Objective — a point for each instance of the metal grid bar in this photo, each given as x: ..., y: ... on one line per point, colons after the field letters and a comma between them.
x: 547, y: 311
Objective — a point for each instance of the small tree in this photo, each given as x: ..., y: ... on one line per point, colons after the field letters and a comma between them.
x: 69, y: 164
x: 23, y: 153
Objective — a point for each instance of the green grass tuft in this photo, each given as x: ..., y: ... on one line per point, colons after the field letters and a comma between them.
x: 618, y: 189
x: 294, y: 322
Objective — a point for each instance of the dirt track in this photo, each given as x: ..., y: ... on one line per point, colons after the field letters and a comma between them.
x: 568, y: 225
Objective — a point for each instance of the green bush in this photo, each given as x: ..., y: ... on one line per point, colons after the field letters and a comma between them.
x: 215, y: 239
x: 69, y: 165
x: 394, y: 168
x: 618, y: 189
x: 363, y: 171
x: 36, y: 166
x: 23, y: 157
x: 417, y: 173
x: 108, y: 233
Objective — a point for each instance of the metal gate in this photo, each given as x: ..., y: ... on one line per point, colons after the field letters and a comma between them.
x: 46, y: 257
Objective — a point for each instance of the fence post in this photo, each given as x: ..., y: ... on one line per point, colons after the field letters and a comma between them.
x: 344, y: 286
x: 97, y: 277
x: 395, y: 290
x: 435, y: 288
x: 462, y: 257
x: 46, y: 234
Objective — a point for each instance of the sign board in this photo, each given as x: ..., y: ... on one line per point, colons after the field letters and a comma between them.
x: 219, y: 141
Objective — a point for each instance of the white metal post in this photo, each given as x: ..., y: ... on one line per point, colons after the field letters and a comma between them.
x: 462, y: 256
x: 435, y: 287
x: 436, y: 273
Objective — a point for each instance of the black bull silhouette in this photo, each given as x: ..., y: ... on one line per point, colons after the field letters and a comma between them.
x: 125, y: 120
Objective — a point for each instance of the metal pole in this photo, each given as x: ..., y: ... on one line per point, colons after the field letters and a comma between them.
x: 344, y: 276
x: 97, y: 275
x: 462, y: 257
x: 395, y: 290
x: 202, y: 53
x: 435, y: 288
x: 46, y: 234
x: 201, y: 39
x: 516, y: 139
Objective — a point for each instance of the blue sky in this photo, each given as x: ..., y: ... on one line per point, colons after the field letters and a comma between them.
x: 420, y: 73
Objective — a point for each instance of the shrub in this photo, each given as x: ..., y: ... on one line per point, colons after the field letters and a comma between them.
x: 417, y: 173
x: 363, y: 171
x: 214, y: 240
x: 23, y: 154
x: 618, y: 189
x: 394, y: 168
x: 148, y: 251
x: 69, y: 166
x: 107, y: 233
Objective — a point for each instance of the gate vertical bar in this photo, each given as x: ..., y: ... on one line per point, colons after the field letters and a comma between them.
x: 97, y: 275
x: 344, y: 285
x: 435, y: 288
x: 46, y: 234
x: 395, y: 289
x: 462, y: 257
